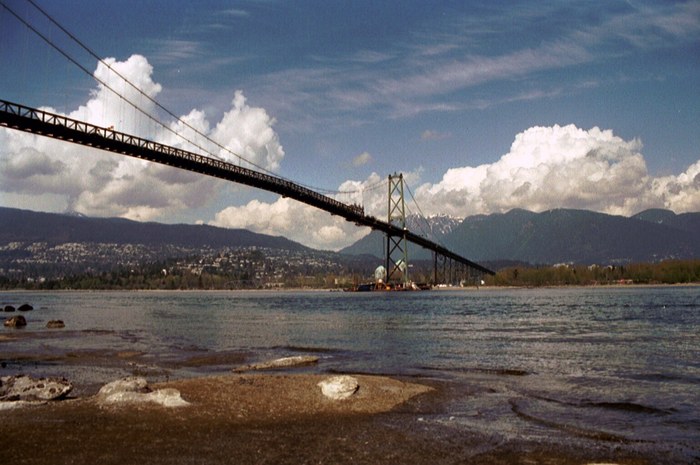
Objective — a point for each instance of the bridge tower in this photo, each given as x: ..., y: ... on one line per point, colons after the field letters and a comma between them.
x: 397, y: 246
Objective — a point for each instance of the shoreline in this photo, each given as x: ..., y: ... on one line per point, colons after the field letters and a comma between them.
x: 272, y: 418
x: 475, y: 415
x: 336, y: 290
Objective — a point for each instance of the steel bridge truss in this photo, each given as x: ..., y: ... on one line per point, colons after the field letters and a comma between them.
x: 397, y: 246
x: 32, y: 120
x: 453, y: 273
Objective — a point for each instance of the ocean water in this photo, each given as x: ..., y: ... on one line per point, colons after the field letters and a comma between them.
x: 603, y: 367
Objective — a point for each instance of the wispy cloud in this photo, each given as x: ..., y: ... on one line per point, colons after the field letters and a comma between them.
x: 649, y: 28
x: 236, y: 12
x: 430, y: 134
x: 440, y: 71
x: 395, y: 92
x: 362, y: 159
x: 444, y: 78
x: 173, y: 51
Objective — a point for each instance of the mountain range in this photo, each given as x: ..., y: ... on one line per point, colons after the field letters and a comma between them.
x: 52, y: 228
x: 550, y: 237
x: 563, y: 236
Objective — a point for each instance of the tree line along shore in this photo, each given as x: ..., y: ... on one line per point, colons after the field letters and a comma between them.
x: 153, y: 278
x: 665, y: 272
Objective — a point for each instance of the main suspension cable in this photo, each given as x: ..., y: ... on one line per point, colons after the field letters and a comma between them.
x: 144, y: 94
x: 422, y: 216
x: 106, y: 85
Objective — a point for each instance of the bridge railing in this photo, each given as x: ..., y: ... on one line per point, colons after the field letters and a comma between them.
x: 146, y: 144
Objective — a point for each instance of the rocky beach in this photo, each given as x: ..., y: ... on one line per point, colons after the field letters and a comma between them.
x: 256, y: 418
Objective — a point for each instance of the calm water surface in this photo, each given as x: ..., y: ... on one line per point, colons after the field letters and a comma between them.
x: 616, y: 366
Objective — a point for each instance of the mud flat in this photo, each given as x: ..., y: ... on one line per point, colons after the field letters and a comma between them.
x: 263, y: 418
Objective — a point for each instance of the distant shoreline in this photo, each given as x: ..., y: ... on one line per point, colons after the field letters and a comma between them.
x: 334, y: 290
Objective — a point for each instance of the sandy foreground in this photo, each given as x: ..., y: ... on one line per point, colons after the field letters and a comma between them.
x: 262, y: 419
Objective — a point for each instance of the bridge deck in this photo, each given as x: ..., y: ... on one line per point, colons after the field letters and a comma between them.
x: 47, y: 124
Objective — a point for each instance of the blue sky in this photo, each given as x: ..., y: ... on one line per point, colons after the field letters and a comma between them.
x: 478, y: 102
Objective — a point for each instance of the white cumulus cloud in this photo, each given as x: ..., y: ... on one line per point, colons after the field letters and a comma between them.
x: 545, y: 168
x: 98, y: 183
x: 562, y: 167
x: 680, y: 193
x: 294, y: 220
x: 247, y: 131
x: 105, y: 108
x: 308, y: 225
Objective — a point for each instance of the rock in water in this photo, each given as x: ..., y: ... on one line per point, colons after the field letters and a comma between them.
x: 23, y: 387
x: 339, y: 387
x: 55, y: 324
x: 9, y: 308
x: 284, y: 362
x: 16, y: 322
x: 135, y: 390
x: 25, y: 308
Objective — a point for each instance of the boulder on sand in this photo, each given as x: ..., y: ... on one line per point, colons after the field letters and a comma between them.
x: 23, y: 387
x: 134, y: 389
x: 339, y: 387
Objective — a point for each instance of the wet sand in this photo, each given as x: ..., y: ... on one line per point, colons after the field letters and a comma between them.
x: 278, y: 417
x: 266, y: 418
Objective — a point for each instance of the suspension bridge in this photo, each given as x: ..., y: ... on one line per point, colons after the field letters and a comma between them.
x: 32, y: 120
x: 23, y: 118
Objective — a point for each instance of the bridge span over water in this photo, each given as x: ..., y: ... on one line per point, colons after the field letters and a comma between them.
x: 32, y: 120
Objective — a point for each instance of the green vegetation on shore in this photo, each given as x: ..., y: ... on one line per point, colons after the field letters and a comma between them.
x: 666, y: 272
x: 154, y: 278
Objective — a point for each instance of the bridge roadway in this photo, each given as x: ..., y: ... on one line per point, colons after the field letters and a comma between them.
x: 23, y: 118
